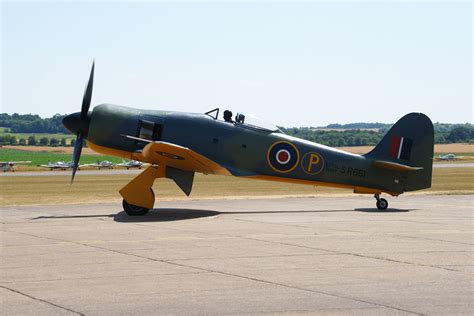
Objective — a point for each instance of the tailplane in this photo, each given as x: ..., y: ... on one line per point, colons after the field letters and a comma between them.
x: 409, y: 144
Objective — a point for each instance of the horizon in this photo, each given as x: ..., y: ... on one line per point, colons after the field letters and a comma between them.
x: 292, y: 64
x: 320, y: 126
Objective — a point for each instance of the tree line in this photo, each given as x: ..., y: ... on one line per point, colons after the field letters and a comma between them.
x: 9, y: 139
x: 458, y: 133
x: 353, y: 134
x: 32, y: 123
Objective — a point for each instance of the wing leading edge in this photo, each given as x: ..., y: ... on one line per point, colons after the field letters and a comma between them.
x: 175, y: 156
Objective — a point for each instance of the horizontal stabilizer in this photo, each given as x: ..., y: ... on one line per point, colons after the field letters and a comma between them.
x: 394, y: 166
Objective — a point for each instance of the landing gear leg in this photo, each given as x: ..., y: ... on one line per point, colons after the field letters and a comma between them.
x: 382, y: 204
x: 138, y: 197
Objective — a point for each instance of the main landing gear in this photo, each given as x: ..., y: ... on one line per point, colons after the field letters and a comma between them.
x: 135, y: 210
x: 382, y: 204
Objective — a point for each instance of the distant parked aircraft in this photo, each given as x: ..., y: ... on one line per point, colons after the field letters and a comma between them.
x: 130, y: 164
x: 61, y: 165
x: 8, y: 165
x: 449, y: 157
x: 105, y: 164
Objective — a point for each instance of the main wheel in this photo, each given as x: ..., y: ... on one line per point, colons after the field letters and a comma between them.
x: 382, y: 204
x: 134, y: 210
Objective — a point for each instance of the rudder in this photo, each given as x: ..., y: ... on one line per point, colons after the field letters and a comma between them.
x: 410, y: 142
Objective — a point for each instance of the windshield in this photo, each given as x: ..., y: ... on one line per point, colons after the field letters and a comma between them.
x: 253, y: 121
x: 243, y: 119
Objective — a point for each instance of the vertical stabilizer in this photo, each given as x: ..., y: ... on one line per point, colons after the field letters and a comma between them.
x: 409, y: 142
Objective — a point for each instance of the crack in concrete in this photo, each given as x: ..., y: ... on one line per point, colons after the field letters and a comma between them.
x: 354, y: 254
x: 434, y: 239
x: 103, y: 277
x: 41, y: 300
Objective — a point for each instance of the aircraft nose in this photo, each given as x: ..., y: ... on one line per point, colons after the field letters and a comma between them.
x: 74, y: 123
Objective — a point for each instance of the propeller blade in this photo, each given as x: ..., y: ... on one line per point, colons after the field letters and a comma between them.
x: 76, y: 154
x: 86, y: 101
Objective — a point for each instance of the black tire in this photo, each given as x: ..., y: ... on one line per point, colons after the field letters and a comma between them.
x: 134, y: 210
x: 382, y: 204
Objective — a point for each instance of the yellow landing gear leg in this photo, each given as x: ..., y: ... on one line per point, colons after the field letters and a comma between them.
x: 138, y: 196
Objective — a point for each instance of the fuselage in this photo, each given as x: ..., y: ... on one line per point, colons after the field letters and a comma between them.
x: 243, y: 150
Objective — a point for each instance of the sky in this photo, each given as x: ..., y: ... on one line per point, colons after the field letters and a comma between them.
x: 290, y: 63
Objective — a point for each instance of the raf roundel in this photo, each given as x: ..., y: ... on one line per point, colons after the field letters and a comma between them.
x: 283, y: 156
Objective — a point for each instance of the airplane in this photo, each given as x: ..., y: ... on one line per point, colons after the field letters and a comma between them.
x: 130, y: 164
x: 105, y: 164
x: 448, y: 157
x: 9, y: 165
x: 179, y: 144
x: 60, y: 165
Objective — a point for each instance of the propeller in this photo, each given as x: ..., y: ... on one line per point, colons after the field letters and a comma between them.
x: 78, y: 123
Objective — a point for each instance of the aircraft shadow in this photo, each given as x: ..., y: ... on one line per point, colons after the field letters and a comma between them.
x: 389, y: 210
x: 165, y: 215
x: 175, y: 214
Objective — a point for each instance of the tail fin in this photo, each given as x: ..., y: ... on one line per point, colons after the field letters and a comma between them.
x: 409, y: 142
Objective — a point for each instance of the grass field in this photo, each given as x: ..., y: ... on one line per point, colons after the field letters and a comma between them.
x: 104, y: 188
x: 42, y: 157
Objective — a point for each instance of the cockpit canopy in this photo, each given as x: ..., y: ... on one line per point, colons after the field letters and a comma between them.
x: 245, y: 120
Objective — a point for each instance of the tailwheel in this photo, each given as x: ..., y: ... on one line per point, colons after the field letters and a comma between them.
x: 382, y: 204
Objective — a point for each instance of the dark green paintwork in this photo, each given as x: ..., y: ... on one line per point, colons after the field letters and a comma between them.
x: 243, y: 150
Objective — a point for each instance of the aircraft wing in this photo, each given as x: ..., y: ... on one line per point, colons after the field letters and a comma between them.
x: 90, y: 165
x: 178, y: 157
x: 53, y: 167
x: 20, y: 162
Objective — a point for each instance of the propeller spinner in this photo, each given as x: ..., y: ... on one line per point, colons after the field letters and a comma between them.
x: 78, y: 123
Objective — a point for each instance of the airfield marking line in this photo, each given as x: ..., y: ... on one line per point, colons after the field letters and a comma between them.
x: 226, y: 273
x: 40, y: 300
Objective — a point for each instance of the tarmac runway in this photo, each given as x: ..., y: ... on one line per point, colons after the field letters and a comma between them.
x: 263, y: 256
